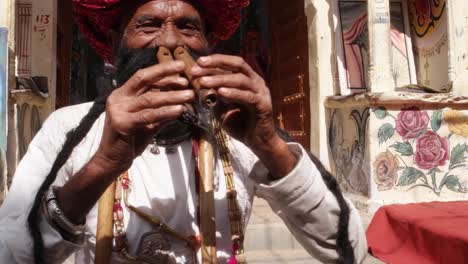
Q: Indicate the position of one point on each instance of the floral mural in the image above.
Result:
(418, 154)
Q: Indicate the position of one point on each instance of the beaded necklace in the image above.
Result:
(234, 212)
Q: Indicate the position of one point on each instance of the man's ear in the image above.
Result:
(210, 37)
(114, 38)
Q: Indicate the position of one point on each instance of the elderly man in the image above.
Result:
(83, 149)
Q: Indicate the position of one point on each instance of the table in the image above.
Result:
(435, 232)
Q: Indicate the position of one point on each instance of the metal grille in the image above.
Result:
(24, 34)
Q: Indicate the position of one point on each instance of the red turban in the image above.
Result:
(96, 17)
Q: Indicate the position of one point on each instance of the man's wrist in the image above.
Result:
(275, 155)
(103, 165)
(83, 190)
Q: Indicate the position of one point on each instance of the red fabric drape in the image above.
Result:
(435, 232)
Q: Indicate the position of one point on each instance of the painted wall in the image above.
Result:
(400, 147)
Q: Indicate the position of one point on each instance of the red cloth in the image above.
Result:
(435, 232)
(96, 17)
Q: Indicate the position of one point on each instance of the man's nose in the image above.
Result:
(171, 37)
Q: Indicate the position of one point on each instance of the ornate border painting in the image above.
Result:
(353, 46)
(348, 148)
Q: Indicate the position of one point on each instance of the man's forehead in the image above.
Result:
(167, 7)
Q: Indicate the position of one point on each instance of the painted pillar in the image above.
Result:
(7, 20)
(321, 60)
(44, 42)
(465, 19)
(380, 60)
(457, 56)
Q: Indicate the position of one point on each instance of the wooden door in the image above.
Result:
(64, 49)
(290, 68)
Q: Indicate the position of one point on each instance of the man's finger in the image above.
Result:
(242, 97)
(147, 117)
(238, 80)
(171, 82)
(154, 99)
(227, 62)
(140, 81)
(198, 71)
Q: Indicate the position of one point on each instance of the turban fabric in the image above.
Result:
(96, 17)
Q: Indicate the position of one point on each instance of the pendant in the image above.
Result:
(154, 248)
(155, 149)
(160, 247)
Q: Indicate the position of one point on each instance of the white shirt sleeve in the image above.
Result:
(15, 240)
(309, 209)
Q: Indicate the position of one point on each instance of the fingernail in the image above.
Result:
(182, 80)
(204, 59)
(206, 79)
(180, 64)
(196, 69)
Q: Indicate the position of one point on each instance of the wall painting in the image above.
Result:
(353, 46)
(348, 146)
(428, 20)
(421, 149)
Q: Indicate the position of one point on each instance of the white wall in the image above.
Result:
(43, 52)
(321, 70)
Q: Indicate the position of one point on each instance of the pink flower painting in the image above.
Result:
(431, 151)
(410, 123)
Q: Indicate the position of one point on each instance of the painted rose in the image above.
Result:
(457, 122)
(385, 170)
(410, 123)
(431, 151)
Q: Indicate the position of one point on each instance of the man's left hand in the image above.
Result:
(245, 110)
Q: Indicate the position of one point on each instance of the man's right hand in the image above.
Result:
(136, 110)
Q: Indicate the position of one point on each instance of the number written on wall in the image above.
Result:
(41, 25)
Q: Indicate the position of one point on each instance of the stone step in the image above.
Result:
(268, 240)
(297, 256)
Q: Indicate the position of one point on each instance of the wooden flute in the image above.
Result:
(207, 97)
(206, 167)
(206, 159)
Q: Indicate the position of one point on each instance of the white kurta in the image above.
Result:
(164, 186)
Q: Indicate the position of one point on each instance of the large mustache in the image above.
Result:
(129, 61)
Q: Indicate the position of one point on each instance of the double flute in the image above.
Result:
(208, 99)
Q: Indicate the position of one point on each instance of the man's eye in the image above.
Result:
(150, 26)
(188, 29)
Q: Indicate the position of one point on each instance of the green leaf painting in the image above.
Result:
(409, 176)
(404, 148)
(457, 156)
(386, 131)
(380, 112)
(453, 183)
(436, 120)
